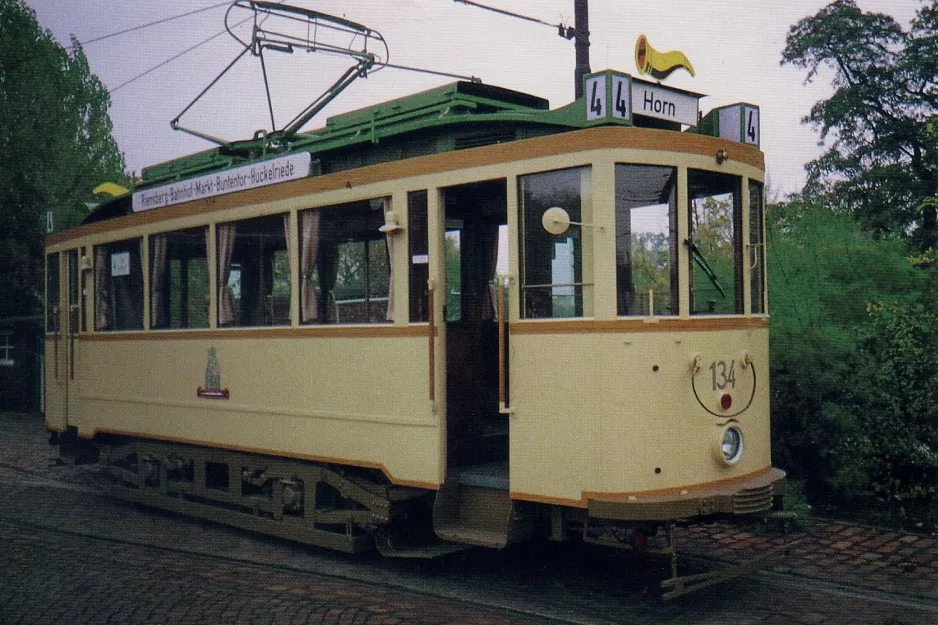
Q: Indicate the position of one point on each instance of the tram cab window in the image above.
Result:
(556, 269)
(118, 286)
(756, 255)
(715, 243)
(646, 239)
(179, 279)
(345, 264)
(52, 293)
(254, 272)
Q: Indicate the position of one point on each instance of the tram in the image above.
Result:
(456, 318)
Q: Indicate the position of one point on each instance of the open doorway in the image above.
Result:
(476, 218)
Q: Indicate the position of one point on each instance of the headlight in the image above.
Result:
(732, 445)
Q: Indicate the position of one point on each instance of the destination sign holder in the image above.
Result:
(250, 176)
(612, 96)
(608, 96)
(736, 122)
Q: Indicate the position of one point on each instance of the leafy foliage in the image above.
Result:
(892, 444)
(713, 236)
(55, 147)
(882, 163)
(824, 272)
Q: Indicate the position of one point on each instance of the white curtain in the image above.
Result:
(226, 239)
(490, 260)
(390, 243)
(309, 248)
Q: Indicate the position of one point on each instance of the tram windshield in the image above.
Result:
(715, 244)
(646, 240)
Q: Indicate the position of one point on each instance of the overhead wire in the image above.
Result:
(171, 59)
(148, 24)
(562, 29)
(183, 53)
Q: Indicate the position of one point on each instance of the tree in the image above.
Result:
(825, 272)
(55, 147)
(892, 445)
(882, 163)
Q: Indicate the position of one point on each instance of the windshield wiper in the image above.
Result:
(704, 266)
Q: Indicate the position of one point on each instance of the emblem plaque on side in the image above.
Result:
(212, 388)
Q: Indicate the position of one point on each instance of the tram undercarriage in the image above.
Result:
(355, 510)
(328, 506)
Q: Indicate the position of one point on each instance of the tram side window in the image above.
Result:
(52, 293)
(179, 279)
(556, 277)
(756, 256)
(345, 264)
(254, 272)
(715, 244)
(118, 286)
(646, 239)
(419, 255)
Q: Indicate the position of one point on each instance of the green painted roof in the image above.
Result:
(445, 112)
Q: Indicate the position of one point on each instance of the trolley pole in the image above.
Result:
(581, 44)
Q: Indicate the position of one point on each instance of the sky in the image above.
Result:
(734, 45)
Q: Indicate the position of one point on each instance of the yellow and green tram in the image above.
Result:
(459, 310)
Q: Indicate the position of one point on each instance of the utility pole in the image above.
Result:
(580, 33)
(581, 21)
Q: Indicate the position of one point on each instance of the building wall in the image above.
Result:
(21, 379)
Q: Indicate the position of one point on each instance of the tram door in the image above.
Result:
(63, 317)
(475, 215)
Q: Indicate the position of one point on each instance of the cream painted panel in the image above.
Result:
(361, 400)
(653, 420)
(593, 416)
(552, 437)
(55, 380)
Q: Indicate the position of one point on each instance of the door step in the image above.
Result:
(420, 552)
(473, 515)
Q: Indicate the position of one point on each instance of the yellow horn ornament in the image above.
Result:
(110, 188)
(659, 64)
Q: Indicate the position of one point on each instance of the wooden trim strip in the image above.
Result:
(431, 346)
(267, 452)
(563, 143)
(679, 490)
(344, 332)
(660, 324)
(552, 501)
(586, 496)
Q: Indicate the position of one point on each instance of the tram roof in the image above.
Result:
(455, 116)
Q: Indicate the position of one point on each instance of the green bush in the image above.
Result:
(892, 444)
(827, 348)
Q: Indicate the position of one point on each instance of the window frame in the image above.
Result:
(673, 237)
(167, 291)
(329, 232)
(736, 194)
(259, 314)
(110, 307)
(579, 236)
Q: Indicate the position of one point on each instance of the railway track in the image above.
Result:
(526, 585)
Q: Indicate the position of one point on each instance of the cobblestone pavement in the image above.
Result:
(833, 551)
(74, 556)
(121, 583)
